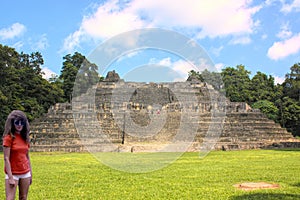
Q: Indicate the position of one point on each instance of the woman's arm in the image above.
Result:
(6, 151)
(28, 157)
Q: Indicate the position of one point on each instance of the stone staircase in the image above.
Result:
(251, 130)
(55, 131)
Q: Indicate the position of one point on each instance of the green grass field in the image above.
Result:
(81, 176)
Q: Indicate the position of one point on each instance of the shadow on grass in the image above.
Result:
(285, 149)
(297, 184)
(258, 196)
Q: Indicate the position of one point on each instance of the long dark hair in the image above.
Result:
(9, 128)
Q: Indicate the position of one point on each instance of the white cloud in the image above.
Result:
(285, 48)
(132, 54)
(128, 55)
(165, 62)
(295, 5)
(264, 36)
(48, 73)
(216, 51)
(181, 67)
(110, 20)
(13, 31)
(284, 32)
(42, 43)
(215, 18)
(269, 2)
(240, 40)
(219, 66)
(278, 79)
(72, 42)
(18, 45)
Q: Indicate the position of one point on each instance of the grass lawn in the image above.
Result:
(81, 176)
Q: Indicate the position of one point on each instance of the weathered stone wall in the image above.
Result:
(243, 128)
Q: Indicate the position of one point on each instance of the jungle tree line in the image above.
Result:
(23, 87)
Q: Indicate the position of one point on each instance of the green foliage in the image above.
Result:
(291, 85)
(290, 104)
(22, 86)
(263, 88)
(197, 75)
(212, 78)
(290, 115)
(77, 67)
(82, 176)
(87, 77)
(237, 83)
(267, 108)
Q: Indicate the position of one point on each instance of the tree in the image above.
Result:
(68, 76)
(87, 77)
(22, 86)
(212, 78)
(290, 114)
(195, 75)
(77, 67)
(268, 108)
(290, 101)
(263, 88)
(237, 83)
(291, 85)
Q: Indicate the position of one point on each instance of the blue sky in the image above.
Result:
(262, 35)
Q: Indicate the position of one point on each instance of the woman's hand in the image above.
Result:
(11, 182)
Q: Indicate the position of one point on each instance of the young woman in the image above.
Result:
(16, 158)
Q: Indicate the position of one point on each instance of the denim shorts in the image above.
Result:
(18, 176)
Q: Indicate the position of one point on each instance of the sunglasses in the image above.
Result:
(19, 123)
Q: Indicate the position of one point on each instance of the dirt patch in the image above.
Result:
(256, 186)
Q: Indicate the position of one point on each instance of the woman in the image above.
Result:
(16, 158)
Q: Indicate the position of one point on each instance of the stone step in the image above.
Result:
(57, 148)
(73, 135)
(250, 139)
(252, 134)
(54, 135)
(75, 148)
(58, 141)
(244, 130)
(256, 145)
(74, 141)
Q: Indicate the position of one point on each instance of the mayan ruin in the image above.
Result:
(242, 127)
